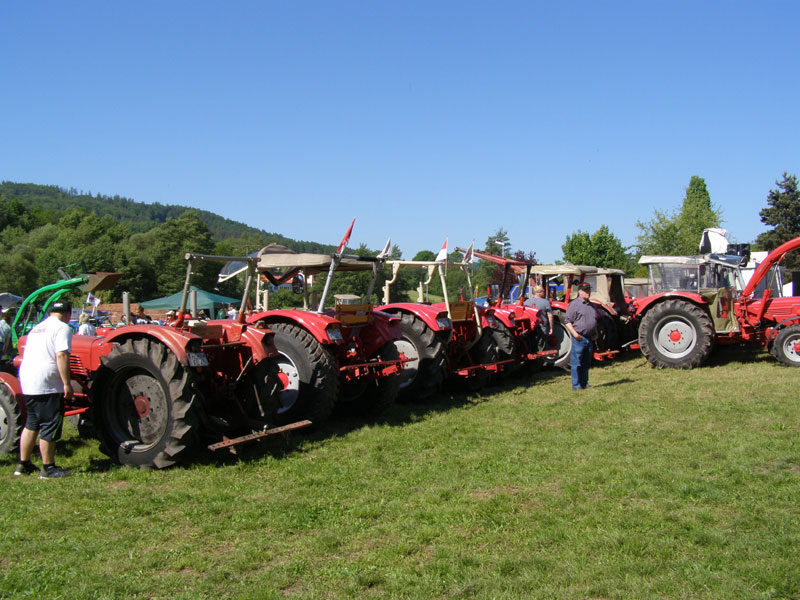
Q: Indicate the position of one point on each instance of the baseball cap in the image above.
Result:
(61, 306)
(585, 287)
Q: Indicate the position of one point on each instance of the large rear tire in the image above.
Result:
(310, 375)
(145, 406)
(260, 393)
(484, 352)
(676, 334)
(607, 337)
(10, 421)
(422, 377)
(786, 347)
(372, 397)
(506, 350)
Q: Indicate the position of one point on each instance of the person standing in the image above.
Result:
(5, 334)
(544, 318)
(45, 381)
(84, 327)
(581, 322)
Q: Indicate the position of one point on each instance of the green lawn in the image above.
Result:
(651, 484)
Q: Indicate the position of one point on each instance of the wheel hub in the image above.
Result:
(290, 379)
(676, 338)
(142, 405)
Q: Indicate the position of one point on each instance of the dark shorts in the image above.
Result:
(45, 415)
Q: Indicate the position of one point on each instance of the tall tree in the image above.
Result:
(783, 215)
(600, 249)
(679, 233)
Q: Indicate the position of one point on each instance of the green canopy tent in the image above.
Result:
(205, 301)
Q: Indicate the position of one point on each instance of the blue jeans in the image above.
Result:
(580, 359)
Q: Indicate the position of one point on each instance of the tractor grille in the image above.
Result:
(76, 365)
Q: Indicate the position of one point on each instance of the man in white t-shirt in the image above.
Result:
(45, 380)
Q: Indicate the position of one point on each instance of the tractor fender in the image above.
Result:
(773, 332)
(174, 339)
(384, 328)
(643, 305)
(12, 383)
(261, 341)
(424, 312)
(316, 324)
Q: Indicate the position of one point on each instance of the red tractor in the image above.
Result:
(616, 323)
(454, 337)
(346, 356)
(152, 392)
(699, 301)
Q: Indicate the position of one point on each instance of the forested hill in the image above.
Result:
(52, 200)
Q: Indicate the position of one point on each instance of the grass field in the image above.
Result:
(650, 484)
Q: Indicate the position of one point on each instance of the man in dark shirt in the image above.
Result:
(581, 322)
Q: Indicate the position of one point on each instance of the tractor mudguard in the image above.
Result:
(643, 306)
(12, 383)
(384, 328)
(261, 342)
(424, 312)
(174, 339)
(315, 323)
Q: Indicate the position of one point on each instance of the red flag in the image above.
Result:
(345, 239)
(442, 256)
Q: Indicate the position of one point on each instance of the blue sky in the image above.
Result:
(421, 119)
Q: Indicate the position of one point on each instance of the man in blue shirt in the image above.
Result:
(581, 322)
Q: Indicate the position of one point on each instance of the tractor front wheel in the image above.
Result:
(145, 409)
(10, 421)
(676, 334)
(787, 346)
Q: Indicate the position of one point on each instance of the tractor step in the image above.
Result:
(230, 442)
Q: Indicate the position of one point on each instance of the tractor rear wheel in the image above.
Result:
(676, 334)
(786, 347)
(260, 393)
(145, 406)
(562, 345)
(607, 337)
(422, 377)
(372, 397)
(506, 350)
(484, 352)
(10, 421)
(309, 373)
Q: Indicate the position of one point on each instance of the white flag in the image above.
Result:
(468, 255)
(442, 256)
(93, 300)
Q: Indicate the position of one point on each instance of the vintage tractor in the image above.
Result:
(515, 320)
(348, 356)
(453, 337)
(700, 301)
(616, 323)
(153, 392)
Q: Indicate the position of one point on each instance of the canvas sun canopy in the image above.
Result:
(206, 301)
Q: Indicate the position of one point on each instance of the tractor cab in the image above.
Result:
(716, 278)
